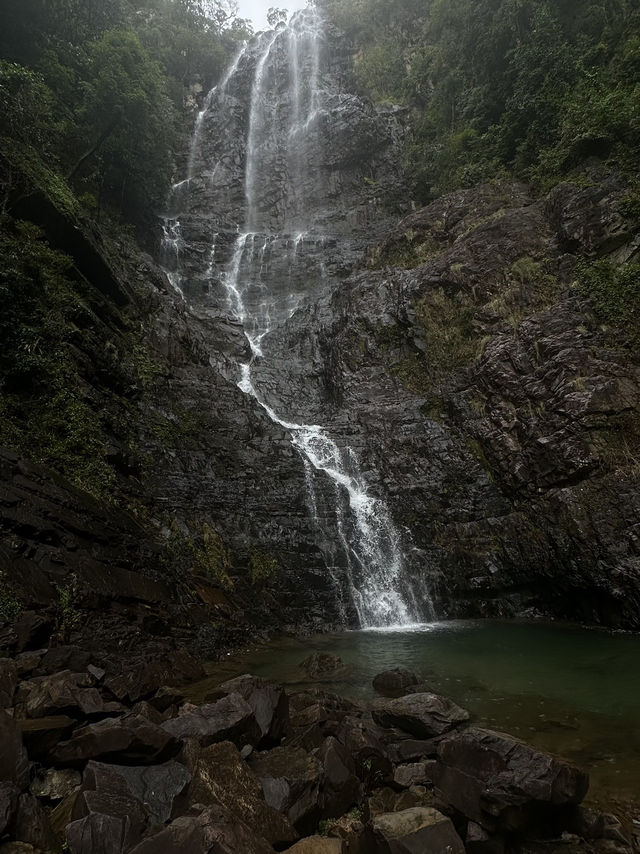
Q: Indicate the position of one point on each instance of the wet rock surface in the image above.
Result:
(421, 715)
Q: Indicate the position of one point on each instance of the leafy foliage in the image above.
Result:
(539, 89)
(97, 89)
(614, 294)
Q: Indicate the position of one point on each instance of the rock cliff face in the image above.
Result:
(453, 354)
(501, 416)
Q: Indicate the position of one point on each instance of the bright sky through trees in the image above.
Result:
(257, 10)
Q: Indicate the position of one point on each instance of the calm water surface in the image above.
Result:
(570, 690)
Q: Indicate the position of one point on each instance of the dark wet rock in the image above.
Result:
(14, 765)
(97, 833)
(8, 682)
(66, 657)
(387, 800)
(9, 794)
(393, 683)
(421, 715)
(317, 845)
(361, 742)
(320, 710)
(156, 787)
(415, 773)
(27, 662)
(42, 735)
(33, 631)
(96, 673)
(144, 677)
(478, 841)
(323, 665)
(131, 740)
(269, 703)
(591, 824)
(411, 750)
(502, 783)
(61, 693)
(145, 710)
(31, 824)
(106, 803)
(290, 779)
(55, 783)
(204, 831)
(229, 719)
(221, 777)
(416, 829)
(590, 219)
(166, 697)
(340, 788)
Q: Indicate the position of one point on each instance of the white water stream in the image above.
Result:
(281, 138)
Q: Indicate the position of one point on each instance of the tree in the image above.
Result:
(276, 17)
(128, 123)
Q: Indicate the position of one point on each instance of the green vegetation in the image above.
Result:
(96, 93)
(201, 553)
(538, 89)
(52, 329)
(10, 608)
(68, 615)
(263, 567)
(614, 294)
(213, 559)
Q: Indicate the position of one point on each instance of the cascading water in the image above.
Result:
(264, 273)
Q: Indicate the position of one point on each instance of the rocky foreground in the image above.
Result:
(97, 758)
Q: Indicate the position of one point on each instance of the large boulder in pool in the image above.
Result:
(394, 683)
(504, 784)
(323, 665)
(422, 715)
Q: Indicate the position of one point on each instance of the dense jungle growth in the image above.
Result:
(539, 89)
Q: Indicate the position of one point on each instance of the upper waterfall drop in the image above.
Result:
(259, 183)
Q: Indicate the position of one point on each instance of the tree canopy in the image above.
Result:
(98, 90)
(540, 89)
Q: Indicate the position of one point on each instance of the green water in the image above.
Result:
(570, 690)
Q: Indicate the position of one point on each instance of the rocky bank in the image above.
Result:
(96, 758)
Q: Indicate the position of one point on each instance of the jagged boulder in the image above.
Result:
(413, 830)
(220, 777)
(14, 764)
(156, 787)
(61, 693)
(340, 788)
(269, 703)
(228, 719)
(393, 683)
(290, 779)
(130, 739)
(8, 682)
(9, 793)
(502, 783)
(369, 755)
(421, 715)
(203, 831)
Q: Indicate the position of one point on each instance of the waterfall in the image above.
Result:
(264, 273)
